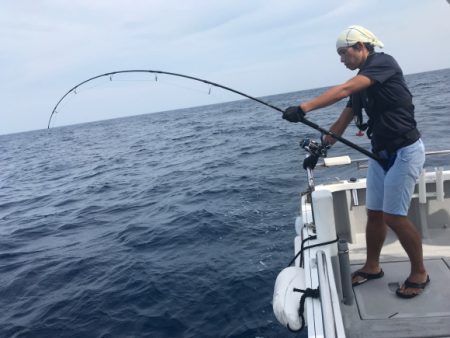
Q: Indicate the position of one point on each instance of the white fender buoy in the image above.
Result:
(286, 302)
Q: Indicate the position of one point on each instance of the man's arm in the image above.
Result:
(337, 93)
(340, 125)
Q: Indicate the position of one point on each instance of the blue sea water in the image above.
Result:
(165, 225)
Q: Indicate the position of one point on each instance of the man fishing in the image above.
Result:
(380, 89)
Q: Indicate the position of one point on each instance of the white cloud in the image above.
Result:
(260, 46)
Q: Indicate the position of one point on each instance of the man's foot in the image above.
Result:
(360, 277)
(410, 289)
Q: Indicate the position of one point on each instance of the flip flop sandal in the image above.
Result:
(410, 285)
(366, 276)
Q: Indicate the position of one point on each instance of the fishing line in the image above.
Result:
(76, 92)
(164, 82)
(156, 72)
(174, 84)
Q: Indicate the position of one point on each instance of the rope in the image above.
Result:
(302, 249)
(312, 293)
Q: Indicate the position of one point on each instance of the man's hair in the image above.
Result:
(368, 45)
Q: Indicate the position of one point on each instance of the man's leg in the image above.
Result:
(398, 188)
(375, 235)
(411, 241)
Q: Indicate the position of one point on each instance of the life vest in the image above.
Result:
(392, 133)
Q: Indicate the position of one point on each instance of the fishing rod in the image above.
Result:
(304, 121)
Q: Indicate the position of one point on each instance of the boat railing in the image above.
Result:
(333, 325)
(361, 163)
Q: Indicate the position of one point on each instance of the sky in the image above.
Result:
(260, 47)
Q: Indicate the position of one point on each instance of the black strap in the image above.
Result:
(358, 102)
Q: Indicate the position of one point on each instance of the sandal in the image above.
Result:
(410, 285)
(366, 276)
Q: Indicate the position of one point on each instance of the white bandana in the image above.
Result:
(354, 34)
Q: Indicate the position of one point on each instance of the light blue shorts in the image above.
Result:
(391, 192)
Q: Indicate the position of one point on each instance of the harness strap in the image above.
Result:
(387, 159)
(389, 155)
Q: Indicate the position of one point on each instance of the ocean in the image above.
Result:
(170, 224)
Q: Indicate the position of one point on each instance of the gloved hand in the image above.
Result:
(294, 114)
(310, 162)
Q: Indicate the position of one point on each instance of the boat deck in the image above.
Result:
(339, 209)
(378, 312)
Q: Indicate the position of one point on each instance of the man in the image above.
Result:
(379, 88)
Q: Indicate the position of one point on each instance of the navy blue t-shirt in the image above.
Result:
(388, 102)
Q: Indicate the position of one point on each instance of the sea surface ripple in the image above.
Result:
(165, 225)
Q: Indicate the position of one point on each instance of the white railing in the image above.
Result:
(362, 162)
(333, 325)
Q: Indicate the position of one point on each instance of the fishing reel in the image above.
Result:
(315, 150)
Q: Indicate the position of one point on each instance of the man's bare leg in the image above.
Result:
(376, 230)
(411, 241)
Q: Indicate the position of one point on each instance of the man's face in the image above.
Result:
(350, 57)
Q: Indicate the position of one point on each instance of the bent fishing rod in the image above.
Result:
(304, 121)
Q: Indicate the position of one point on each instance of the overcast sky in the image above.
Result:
(260, 47)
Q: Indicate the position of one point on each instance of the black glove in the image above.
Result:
(310, 162)
(294, 114)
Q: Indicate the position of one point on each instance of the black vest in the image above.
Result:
(390, 126)
(387, 102)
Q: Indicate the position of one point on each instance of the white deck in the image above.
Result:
(378, 312)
